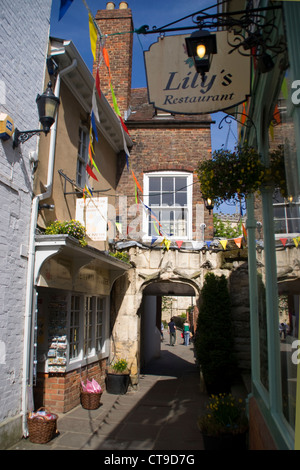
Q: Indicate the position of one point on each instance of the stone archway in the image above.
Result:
(154, 272)
(152, 312)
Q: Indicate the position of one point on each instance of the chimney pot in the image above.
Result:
(110, 6)
(123, 6)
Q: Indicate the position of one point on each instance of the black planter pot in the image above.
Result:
(226, 442)
(117, 384)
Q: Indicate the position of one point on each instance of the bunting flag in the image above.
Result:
(296, 241)
(276, 115)
(91, 158)
(179, 243)
(94, 105)
(223, 243)
(244, 231)
(93, 123)
(123, 125)
(244, 116)
(88, 190)
(64, 6)
(238, 242)
(208, 243)
(139, 186)
(156, 229)
(97, 82)
(283, 241)
(153, 240)
(90, 172)
(166, 243)
(93, 36)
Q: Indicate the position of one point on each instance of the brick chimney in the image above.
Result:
(119, 48)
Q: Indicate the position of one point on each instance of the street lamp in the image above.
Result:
(47, 105)
(201, 45)
(209, 204)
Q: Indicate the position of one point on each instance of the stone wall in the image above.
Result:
(168, 271)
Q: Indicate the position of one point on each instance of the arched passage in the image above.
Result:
(154, 309)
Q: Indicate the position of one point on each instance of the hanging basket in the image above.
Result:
(42, 426)
(90, 401)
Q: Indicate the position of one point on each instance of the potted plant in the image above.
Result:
(72, 228)
(214, 339)
(225, 425)
(117, 377)
(233, 175)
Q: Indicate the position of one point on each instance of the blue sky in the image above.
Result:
(74, 26)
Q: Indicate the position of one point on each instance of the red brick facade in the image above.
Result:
(112, 23)
(61, 393)
(171, 142)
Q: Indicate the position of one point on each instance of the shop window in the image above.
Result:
(74, 326)
(99, 324)
(88, 326)
(169, 197)
(82, 156)
(286, 216)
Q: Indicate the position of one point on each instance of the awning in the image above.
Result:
(60, 261)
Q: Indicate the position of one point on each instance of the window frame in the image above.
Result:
(188, 208)
(87, 344)
(82, 156)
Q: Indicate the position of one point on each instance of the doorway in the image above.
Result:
(161, 301)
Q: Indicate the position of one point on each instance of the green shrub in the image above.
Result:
(214, 342)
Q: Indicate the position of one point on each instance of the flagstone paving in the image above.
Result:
(160, 415)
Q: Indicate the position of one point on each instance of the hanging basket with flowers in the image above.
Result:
(233, 175)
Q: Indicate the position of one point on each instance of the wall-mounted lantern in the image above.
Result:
(47, 105)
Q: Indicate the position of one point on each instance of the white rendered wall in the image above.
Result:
(24, 35)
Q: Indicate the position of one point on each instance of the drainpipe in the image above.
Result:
(30, 288)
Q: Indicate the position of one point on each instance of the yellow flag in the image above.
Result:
(93, 36)
(167, 243)
(296, 242)
(223, 243)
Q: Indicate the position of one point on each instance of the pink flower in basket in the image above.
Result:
(91, 386)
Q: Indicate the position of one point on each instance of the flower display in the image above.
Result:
(120, 366)
(71, 227)
(225, 415)
(232, 175)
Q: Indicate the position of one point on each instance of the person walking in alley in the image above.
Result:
(186, 333)
(172, 332)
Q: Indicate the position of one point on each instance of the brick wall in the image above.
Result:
(176, 143)
(119, 47)
(59, 393)
(24, 40)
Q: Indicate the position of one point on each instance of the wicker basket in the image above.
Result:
(41, 430)
(90, 401)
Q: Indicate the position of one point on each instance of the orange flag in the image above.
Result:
(137, 183)
(238, 241)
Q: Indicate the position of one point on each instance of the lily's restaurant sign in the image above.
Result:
(176, 87)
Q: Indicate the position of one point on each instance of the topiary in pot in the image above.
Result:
(214, 342)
